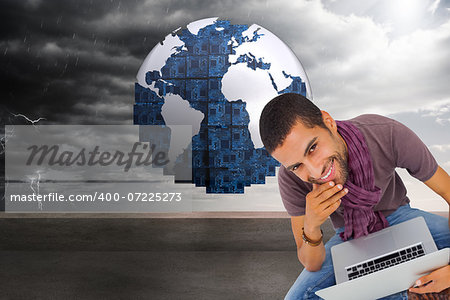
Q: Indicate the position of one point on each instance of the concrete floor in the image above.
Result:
(146, 274)
(126, 258)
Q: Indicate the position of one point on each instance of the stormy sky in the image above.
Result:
(75, 61)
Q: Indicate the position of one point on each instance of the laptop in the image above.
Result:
(384, 262)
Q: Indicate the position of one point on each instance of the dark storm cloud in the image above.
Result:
(58, 56)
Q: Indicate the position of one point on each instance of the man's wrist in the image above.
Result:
(313, 233)
(312, 242)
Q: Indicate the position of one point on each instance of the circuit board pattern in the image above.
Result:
(224, 159)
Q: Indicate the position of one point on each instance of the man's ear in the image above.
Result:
(329, 121)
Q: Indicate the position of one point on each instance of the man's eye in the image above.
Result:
(313, 147)
(294, 168)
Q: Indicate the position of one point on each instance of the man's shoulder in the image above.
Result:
(372, 119)
(371, 124)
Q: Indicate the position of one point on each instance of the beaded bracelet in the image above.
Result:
(309, 241)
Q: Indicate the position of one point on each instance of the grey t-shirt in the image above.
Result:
(391, 144)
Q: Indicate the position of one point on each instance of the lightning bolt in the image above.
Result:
(4, 138)
(3, 144)
(36, 181)
(6, 187)
(28, 119)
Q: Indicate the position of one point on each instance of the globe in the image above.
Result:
(217, 77)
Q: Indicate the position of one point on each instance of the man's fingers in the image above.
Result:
(429, 288)
(326, 208)
(435, 282)
(332, 207)
(333, 202)
(423, 280)
(322, 187)
(328, 194)
(423, 285)
(337, 196)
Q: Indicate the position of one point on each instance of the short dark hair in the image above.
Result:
(282, 113)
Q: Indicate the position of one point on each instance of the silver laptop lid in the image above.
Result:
(380, 243)
(387, 281)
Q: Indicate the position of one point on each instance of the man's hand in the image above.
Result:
(434, 282)
(321, 202)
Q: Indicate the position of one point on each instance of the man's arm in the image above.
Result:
(311, 258)
(435, 282)
(440, 184)
(439, 279)
(321, 202)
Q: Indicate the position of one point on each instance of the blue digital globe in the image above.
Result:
(217, 77)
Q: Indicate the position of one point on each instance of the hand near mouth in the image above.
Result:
(321, 202)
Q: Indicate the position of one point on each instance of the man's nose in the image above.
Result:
(314, 168)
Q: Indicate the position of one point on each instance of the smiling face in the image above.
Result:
(315, 155)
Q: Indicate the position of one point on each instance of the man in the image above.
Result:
(345, 170)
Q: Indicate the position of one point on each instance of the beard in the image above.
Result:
(340, 159)
(343, 168)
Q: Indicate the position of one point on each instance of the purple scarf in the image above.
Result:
(363, 195)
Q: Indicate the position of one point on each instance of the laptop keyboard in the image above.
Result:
(386, 261)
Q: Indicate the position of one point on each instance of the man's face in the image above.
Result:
(315, 155)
